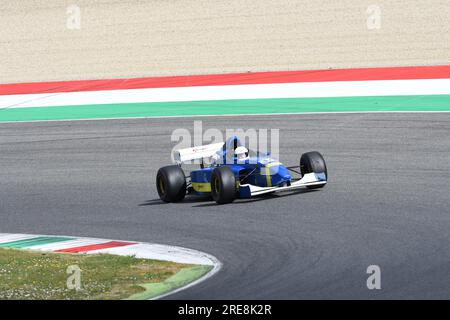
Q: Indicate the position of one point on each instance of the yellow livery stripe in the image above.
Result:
(273, 164)
(267, 172)
(201, 186)
(268, 180)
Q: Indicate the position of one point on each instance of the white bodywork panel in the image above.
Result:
(309, 179)
(197, 153)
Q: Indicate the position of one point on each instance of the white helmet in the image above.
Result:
(241, 153)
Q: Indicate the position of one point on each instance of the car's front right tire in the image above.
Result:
(171, 183)
(313, 162)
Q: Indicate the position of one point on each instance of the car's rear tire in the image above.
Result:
(223, 185)
(171, 184)
(313, 162)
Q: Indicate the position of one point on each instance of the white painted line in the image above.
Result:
(221, 115)
(232, 92)
(217, 266)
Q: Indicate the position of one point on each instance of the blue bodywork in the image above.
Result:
(258, 170)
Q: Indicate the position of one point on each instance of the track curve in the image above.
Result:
(386, 203)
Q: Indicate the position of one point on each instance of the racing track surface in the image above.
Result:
(387, 202)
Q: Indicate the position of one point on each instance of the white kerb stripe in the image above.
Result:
(68, 244)
(160, 252)
(9, 237)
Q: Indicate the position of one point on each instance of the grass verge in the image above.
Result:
(43, 276)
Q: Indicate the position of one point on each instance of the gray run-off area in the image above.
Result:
(133, 38)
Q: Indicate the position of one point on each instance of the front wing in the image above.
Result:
(309, 179)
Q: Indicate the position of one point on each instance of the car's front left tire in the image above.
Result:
(171, 183)
(223, 185)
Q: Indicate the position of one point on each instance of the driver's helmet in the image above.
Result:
(241, 153)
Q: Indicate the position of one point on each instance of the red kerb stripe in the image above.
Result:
(391, 73)
(106, 245)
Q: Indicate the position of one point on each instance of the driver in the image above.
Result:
(241, 153)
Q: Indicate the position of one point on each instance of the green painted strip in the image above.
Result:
(36, 241)
(224, 107)
(182, 278)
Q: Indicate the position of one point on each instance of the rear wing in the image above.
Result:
(197, 153)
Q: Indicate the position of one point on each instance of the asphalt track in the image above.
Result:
(387, 202)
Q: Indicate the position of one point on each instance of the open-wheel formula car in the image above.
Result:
(234, 172)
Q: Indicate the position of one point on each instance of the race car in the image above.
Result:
(228, 171)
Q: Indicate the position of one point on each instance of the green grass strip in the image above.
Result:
(180, 279)
(224, 107)
(36, 241)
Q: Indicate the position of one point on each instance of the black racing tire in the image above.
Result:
(223, 185)
(171, 183)
(313, 162)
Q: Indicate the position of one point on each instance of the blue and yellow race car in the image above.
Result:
(229, 171)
